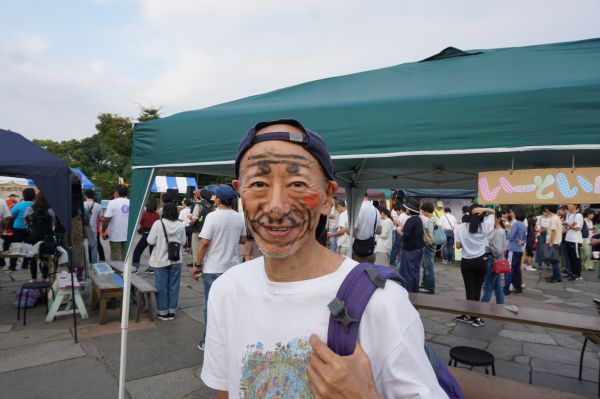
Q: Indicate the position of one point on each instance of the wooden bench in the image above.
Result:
(476, 385)
(105, 286)
(62, 288)
(143, 292)
(144, 296)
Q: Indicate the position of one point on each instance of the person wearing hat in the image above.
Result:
(413, 245)
(268, 318)
(218, 250)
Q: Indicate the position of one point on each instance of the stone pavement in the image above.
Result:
(42, 360)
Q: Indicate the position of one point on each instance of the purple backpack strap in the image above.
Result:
(352, 298)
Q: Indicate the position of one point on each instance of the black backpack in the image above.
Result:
(207, 208)
(41, 224)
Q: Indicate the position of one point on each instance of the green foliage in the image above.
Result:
(105, 156)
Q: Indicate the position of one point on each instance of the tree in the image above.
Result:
(106, 155)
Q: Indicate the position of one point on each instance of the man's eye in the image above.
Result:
(298, 184)
(258, 184)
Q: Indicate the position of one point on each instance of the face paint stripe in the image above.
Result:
(270, 154)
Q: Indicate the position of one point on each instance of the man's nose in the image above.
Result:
(278, 202)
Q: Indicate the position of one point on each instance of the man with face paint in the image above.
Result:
(268, 318)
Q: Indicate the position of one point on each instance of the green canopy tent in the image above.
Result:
(428, 124)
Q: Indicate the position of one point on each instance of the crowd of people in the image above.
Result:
(563, 238)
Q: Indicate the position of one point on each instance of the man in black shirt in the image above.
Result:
(412, 246)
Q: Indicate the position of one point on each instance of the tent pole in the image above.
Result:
(127, 295)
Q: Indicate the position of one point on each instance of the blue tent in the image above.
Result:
(21, 158)
(85, 182)
(162, 183)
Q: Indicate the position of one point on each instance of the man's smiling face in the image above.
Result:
(283, 192)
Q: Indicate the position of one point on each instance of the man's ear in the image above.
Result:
(236, 185)
(332, 187)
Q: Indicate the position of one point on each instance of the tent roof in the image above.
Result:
(21, 158)
(502, 101)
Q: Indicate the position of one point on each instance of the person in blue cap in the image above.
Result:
(268, 317)
(218, 250)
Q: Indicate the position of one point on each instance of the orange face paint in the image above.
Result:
(311, 200)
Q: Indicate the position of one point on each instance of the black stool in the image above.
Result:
(472, 357)
(42, 287)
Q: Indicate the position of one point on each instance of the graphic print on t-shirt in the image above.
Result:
(279, 373)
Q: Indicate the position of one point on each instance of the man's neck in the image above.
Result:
(311, 261)
(223, 207)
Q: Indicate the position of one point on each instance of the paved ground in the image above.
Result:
(42, 360)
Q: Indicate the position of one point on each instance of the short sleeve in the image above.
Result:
(208, 229)
(216, 356)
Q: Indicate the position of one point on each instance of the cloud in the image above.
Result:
(188, 54)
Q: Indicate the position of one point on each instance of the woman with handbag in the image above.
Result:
(168, 236)
(471, 237)
(495, 255)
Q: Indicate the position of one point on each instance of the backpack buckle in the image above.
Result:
(375, 277)
(339, 311)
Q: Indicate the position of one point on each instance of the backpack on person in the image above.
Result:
(90, 231)
(207, 208)
(347, 308)
(40, 224)
(173, 247)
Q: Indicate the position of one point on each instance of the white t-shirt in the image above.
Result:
(448, 221)
(402, 218)
(4, 212)
(574, 235)
(118, 211)
(183, 216)
(258, 330)
(343, 240)
(473, 245)
(223, 228)
(384, 240)
(365, 223)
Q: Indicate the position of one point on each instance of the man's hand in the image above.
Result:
(334, 376)
(196, 271)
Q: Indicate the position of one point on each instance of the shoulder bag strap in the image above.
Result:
(375, 224)
(164, 230)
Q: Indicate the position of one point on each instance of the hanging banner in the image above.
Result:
(540, 186)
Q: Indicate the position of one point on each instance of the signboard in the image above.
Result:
(540, 186)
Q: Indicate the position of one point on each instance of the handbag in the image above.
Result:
(550, 253)
(173, 248)
(501, 266)
(439, 235)
(365, 248)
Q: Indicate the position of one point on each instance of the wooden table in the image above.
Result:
(104, 286)
(526, 315)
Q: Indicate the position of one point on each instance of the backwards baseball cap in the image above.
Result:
(226, 193)
(309, 140)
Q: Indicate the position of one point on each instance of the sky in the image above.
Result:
(64, 62)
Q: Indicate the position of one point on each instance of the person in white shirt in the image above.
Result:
(167, 272)
(586, 249)
(429, 222)
(268, 318)
(384, 240)
(472, 238)
(218, 250)
(114, 223)
(448, 223)
(573, 224)
(341, 235)
(93, 210)
(184, 217)
(332, 227)
(367, 225)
